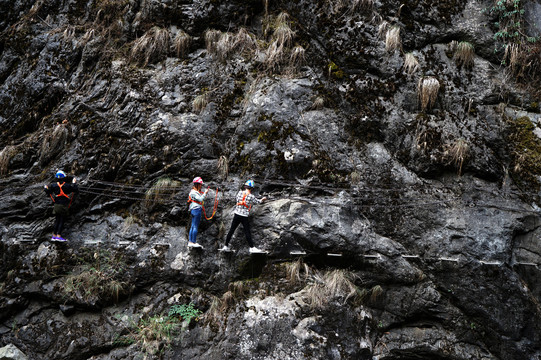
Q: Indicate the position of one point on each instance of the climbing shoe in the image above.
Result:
(255, 250)
(225, 248)
(194, 245)
(60, 238)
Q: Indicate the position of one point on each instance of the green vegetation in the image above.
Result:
(150, 333)
(526, 151)
(522, 53)
(185, 312)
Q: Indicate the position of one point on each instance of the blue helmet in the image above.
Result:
(249, 183)
(60, 174)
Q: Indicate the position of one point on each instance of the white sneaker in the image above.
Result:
(256, 250)
(195, 245)
(225, 248)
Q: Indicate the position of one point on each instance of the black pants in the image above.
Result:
(58, 224)
(237, 219)
(60, 211)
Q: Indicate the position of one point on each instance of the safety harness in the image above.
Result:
(214, 209)
(243, 201)
(61, 193)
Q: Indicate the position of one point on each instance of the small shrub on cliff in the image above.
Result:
(151, 47)
(427, 91)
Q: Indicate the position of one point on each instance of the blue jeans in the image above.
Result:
(196, 219)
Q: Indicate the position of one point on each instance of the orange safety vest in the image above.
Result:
(243, 201)
(61, 193)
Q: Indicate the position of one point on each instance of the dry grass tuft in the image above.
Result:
(382, 29)
(333, 285)
(392, 39)
(223, 167)
(375, 293)
(464, 54)
(223, 45)
(6, 155)
(163, 189)
(182, 43)
(152, 46)
(215, 313)
(297, 57)
(211, 40)
(245, 42)
(427, 91)
(349, 5)
(319, 103)
(274, 55)
(294, 271)
(512, 55)
(411, 64)
(456, 153)
(200, 103)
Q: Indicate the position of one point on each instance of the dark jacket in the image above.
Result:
(67, 188)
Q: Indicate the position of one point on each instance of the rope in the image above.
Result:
(215, 208)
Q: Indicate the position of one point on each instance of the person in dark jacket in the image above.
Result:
(59, 192)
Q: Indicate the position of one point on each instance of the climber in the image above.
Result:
(195, 199)
(245, 199)
(59, 192)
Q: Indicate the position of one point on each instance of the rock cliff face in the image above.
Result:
(399, 156)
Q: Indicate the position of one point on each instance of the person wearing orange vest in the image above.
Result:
(245, 200)
(59, 192)
(195, 199)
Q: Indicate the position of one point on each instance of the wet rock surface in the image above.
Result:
(416, 228)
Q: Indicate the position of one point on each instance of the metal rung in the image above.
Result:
(334, 254)
(448, 259)
(410, 256)
(297, 252)
(525, 263)
(124, 242)
(163, 244)
(93, 242)
(497, 263)
(371, 256)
